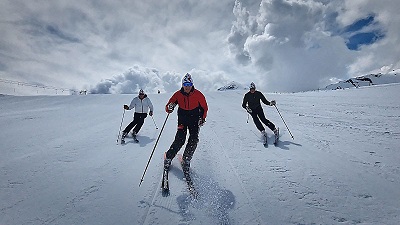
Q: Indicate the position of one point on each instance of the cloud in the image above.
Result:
(281, 45)
(68, 43)
(301, 45)
(152, 81)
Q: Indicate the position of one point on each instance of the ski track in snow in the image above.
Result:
(248, 206)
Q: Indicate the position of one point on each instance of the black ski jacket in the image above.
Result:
(253, 100)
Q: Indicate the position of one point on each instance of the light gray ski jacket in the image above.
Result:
(141, 105)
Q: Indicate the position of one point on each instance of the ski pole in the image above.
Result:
(284, 121)
(152, 152)
(154, 122)
(119, 133)
(247, 118)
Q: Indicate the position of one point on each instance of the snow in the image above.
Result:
(60, 163)
(367, 80)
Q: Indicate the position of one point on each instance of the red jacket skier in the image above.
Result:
(192, 113)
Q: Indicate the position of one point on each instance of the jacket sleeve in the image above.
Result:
(244, 101)
(263, 99)
(133, 103)
(172, 99)
(150, 105)
(203, 104)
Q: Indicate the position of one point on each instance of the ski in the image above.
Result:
(134, 140)
(164, 181)
(276, 137)
(188, 178)
(165, 184)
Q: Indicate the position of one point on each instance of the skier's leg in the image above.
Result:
(140, 119)
(256, 120)
(268, 123)
(131, 125)
(192, 143)
(180, 138)
(127, 129)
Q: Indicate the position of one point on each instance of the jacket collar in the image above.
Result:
(145, 96)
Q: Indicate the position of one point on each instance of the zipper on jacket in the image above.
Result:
(188, 102)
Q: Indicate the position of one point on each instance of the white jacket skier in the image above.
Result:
(142, 104)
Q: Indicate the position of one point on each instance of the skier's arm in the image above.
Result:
(150, 105)
(263, 99)
(203, 104)
(244, 104)
(172, 102)
(132, 105)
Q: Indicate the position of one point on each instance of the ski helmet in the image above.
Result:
(187, 80)
(141, 92)
(252, 86)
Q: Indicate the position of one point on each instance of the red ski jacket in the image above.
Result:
(192, 103)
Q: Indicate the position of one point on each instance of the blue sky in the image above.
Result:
(357, 37)
(281, 45)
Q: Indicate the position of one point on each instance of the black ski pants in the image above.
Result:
(190, 123)
(138, 120)
(258, 114)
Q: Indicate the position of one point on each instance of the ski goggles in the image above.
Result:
(187, 84)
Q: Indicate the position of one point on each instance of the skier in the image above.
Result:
(192, 114)
(251, 103)
(142, 104)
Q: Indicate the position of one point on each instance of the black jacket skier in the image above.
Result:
(251, 102)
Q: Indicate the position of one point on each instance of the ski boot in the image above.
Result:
(264, 137)
(276, 133)
(134, 137)
(124, 134)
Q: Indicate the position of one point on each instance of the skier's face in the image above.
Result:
(141, 96)
(252, 90)
(187, 87)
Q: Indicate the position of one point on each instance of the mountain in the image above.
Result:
(231, 86)
(367, 80)
(60, 163)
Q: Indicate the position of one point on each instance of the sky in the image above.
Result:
(121, 46)
(340, 167)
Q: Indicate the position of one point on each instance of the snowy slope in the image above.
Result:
(60, 163)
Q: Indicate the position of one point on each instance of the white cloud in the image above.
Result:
(152, 81)
(282, 45)
(66, 43)
(297, 45)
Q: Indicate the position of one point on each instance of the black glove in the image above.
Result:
(272, 103)
(248, 109)
(170, 107)
(201, 121)
(126, 107)
(151, 113)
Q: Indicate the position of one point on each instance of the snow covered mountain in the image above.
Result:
(232, 86)
(60, 163)
(367, 80)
